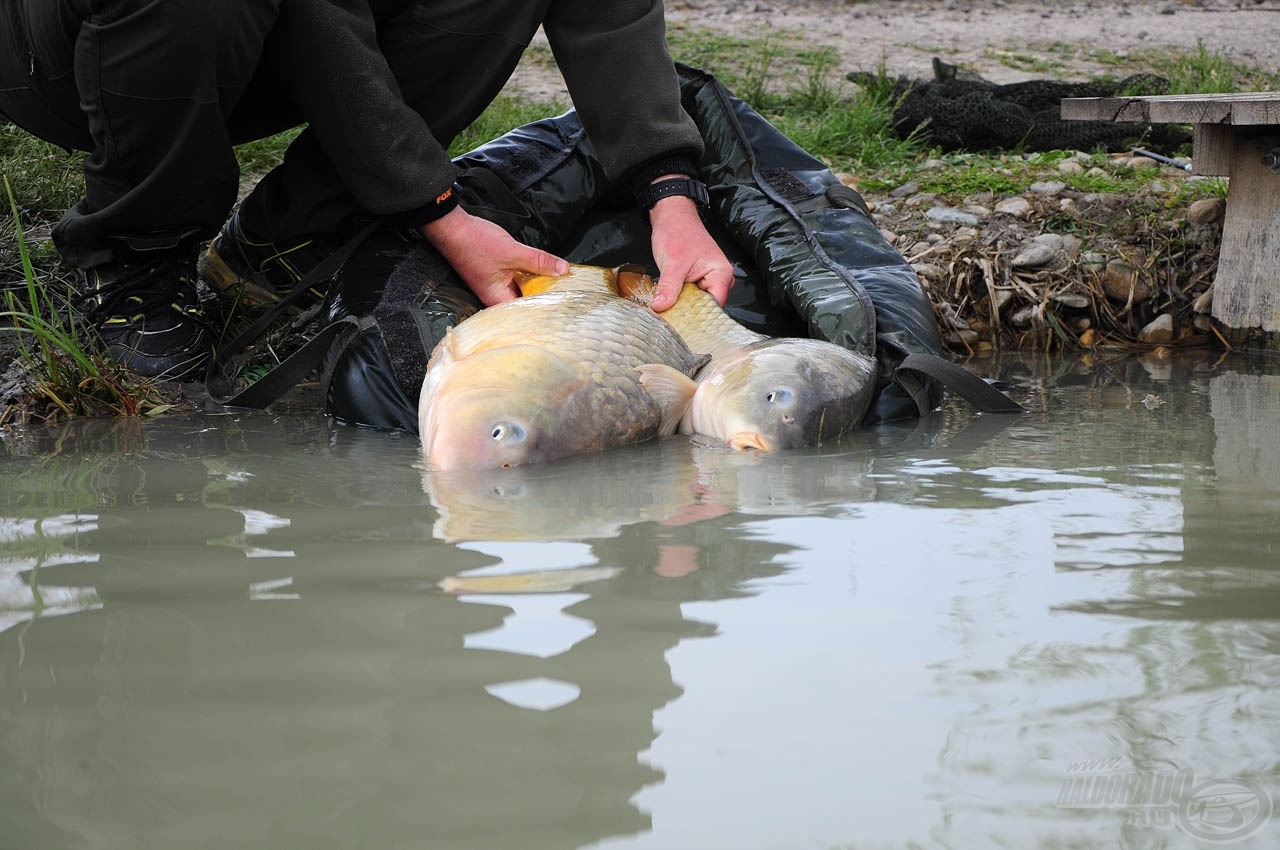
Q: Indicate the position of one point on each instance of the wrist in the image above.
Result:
(438, 229)
(675, 207)
(671, 186)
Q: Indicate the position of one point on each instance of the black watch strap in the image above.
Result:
(688, 187)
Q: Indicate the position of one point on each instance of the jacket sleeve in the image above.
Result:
(621, 78)
(381, 148)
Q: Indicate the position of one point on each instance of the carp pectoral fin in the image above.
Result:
(671, 389)
(698, 364)
(442, 356)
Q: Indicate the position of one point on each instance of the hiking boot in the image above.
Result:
(260, 271)
(148, 313)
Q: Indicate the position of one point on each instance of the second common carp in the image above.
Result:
(760, 392)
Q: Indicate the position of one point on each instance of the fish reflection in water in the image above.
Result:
(672, 482)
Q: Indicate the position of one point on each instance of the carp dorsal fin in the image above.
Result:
(635, 284)
(671, 390)
(533, 284)
(579, 278)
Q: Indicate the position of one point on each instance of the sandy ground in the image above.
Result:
(993, 38)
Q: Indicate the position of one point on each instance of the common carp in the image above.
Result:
(760, 392)
(570, 370)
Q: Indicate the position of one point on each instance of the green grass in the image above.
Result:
(45, 178)
(1208, 73)
(1030, 63)
(1197, 72)
(503, 115)
(69, 375)
(258, 157)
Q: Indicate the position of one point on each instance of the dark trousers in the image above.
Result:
(158, 92)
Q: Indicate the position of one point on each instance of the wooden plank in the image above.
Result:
(1241, 109)
(1119, 109)
(1211, 146)
(1246, 293)
(1256, 112)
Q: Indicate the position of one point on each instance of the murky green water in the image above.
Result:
(253, 631)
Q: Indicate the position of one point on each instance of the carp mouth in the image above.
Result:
(745, 441)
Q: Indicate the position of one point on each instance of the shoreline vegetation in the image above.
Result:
(1049, 251)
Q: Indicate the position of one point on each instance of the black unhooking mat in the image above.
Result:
(809, 260)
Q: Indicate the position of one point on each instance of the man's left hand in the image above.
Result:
(686, 253)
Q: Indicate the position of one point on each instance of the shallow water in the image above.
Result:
(272, 631)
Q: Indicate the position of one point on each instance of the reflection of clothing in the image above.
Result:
(158, 90)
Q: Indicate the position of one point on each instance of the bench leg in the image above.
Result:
(1246, 295)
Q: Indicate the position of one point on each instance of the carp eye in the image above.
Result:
(778, 396)
(507, 432)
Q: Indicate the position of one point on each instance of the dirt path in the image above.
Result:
(1003, 40)
(905, 34)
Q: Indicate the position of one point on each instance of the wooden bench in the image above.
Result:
(1235, 136)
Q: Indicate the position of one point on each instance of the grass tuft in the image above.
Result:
(68, 375)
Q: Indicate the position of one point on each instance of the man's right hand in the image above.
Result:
(486, 257)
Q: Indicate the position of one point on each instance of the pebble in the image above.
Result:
(928, 271)
(1071, 166)
(1204, 302)
(1047, 187)
(1142, 162)
(963, 339)
(1206, 211)
(1071, 299)
(924, 199)
(1017, 206)
(1021, 317)
(1120, 281)
(1094, 261)
(1042, 250)
(950, 215)
(952, 318)
(911, 187)
(1158, 332)
(1103, 199)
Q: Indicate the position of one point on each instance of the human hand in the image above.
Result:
(686, 253)
(486, 257)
